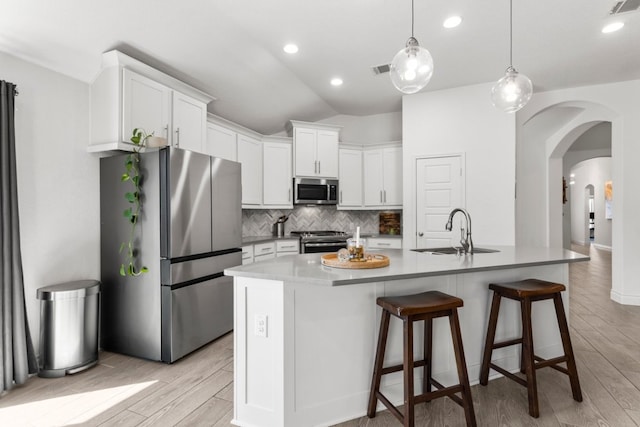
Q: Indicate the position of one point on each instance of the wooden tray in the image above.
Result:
(377, 261)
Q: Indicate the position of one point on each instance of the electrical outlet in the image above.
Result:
(260, 325)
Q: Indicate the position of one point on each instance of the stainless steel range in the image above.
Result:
(321, 240)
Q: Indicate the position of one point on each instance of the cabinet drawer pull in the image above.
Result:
(177, 137)
(384, 244)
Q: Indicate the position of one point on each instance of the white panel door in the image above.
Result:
(250, 156)
(189, 123)
(278, 179)
(305, 162)
(146, 106)
(350, 177)
(327, 153)
(373, 178)
(392, 176)
(221, 142)
(439, 190)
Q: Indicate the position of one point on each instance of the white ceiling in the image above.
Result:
(232, 49)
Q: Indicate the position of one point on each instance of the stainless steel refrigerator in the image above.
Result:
(190, 230)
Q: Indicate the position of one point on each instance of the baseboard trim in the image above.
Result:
(625, 299)
(601, 247)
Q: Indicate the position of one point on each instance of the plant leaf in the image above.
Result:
(131, 197)
(125, 177)
(127, 213)
(122, 273)
(144, 270)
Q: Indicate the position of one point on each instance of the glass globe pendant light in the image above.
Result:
(514, 90)
(412, 67)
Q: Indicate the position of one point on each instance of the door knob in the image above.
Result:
(420, 234)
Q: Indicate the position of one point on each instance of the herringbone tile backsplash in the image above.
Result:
(257, 222)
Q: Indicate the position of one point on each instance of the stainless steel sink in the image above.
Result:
(453, 251)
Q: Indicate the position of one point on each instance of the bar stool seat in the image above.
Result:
(526, 292)
(425, 306)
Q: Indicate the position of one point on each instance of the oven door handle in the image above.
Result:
(322, 245)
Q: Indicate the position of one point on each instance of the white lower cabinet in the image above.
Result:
(269, 250)
(384, 243)
(247, 254)
(262, 251)
(287, 247)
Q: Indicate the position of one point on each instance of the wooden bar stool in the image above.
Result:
(527, 291)
(412, 308)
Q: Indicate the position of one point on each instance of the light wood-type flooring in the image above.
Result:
(198, 390)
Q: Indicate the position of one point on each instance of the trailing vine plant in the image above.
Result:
(133, 176)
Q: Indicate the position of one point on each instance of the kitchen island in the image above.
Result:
(305, 334)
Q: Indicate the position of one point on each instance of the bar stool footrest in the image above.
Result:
(552, 363)
(508, 374)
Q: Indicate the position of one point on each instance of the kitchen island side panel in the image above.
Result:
(322, 340)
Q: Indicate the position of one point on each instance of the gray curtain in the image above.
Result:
(17, 356)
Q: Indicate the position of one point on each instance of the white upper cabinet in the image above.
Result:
(250, 157)
(189, 123)
(350, 177)
(129, 94)
(383, 177)
(147, 105)
(327, 153)
(221, 142)
(278, 179)
(315, 149)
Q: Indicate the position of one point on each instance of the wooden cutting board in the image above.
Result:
(376, 261)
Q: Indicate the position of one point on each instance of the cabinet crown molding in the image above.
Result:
(311, 125)
(115, 58)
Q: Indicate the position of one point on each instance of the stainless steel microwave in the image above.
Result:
(315, 191)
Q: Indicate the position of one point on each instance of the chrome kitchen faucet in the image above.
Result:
(465, 241)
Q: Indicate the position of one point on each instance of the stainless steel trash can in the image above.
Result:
(68, 327)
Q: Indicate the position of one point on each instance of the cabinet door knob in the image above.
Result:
(420, 234)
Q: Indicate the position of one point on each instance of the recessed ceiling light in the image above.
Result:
(290, 48)
(336, 81)
(614, 26)
(452, 22)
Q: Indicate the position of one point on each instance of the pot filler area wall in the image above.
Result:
(259, 222)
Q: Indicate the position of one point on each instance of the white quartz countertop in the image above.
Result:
(404, 264)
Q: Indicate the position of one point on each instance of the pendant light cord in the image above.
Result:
(511, 33)
(412, 18)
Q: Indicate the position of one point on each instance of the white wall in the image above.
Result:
(462, 120)
(593, 172)
(58, 182)
(371, 129)
(539, 206)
